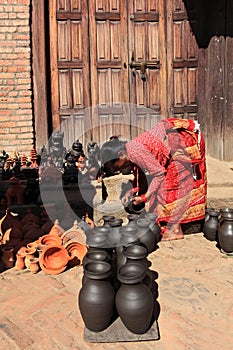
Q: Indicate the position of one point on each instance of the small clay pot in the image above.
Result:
(20, 261)
(8, 259)
(34, 265)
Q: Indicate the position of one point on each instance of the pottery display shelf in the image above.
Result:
(117, 332)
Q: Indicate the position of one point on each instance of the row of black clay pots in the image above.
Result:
(113, 234)
(219, 227)
(133, 299)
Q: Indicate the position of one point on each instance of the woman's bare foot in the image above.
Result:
(172, 233)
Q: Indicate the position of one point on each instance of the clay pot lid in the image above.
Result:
(75, 233)
(53, 259)
(56, 229)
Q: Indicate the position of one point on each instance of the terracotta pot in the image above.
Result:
(20, 261)
(32, 245)
(29, 255)
(29, 226)
(30, 217)
(50, 239)
(8, 259)
(54, 259)
(46, 227)
(34, 265)
(34, 234)
(16, 233)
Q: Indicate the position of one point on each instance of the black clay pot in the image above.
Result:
(134, 299)
(106, 219)
(225, 235)
(132, 219)
(97, 255)
(207, 213)
(131, 208)
(211, 226)
(96, 297)
(114, 235)
(136, 253)
(145, 235)
(128, 235)
(154, 227)
(98, 237)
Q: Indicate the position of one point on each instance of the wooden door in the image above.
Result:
(182, 60)
(109, 69)
(147, 63)
(70, 70)
(119, 66)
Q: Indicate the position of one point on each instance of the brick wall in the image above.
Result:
(16, 120)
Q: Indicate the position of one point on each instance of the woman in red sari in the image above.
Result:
(173, 155)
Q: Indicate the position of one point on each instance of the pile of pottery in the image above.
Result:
(117, 281)
(26, 244)
(218, 227)
(55, 251)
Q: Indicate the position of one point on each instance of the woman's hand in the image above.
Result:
(136, 200)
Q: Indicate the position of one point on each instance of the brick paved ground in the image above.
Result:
(195, 283)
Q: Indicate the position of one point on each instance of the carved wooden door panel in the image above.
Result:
(70, 77)
(147, 63)
(182, 60)
(109, 68)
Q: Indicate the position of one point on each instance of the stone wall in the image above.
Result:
(16, 118)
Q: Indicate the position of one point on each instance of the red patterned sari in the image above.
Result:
(173, 154)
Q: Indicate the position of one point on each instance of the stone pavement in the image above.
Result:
(195, 286)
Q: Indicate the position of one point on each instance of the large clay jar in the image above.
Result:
(96, 297)
(8, 259)
(225, 235)
(211, 226)
(146, 236)
(134, 299)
